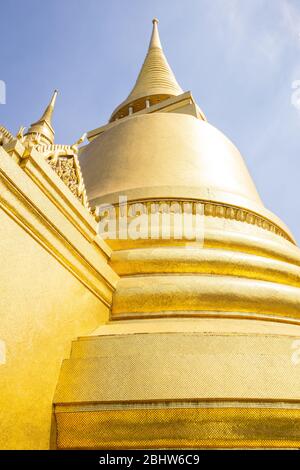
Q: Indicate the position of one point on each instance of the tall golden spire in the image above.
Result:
(155, 82)
(43, 127)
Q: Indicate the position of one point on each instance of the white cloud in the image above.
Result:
(240, 23)
(291, 18)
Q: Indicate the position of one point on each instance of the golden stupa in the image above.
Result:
(176, 342)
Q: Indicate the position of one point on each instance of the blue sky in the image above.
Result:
(238, 57)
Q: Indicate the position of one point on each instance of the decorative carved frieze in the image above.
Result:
(68, 169)
(209, 209)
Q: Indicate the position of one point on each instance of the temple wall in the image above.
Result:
(55, 285)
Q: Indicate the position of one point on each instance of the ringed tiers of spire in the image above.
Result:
(43, 126)
(156, 81)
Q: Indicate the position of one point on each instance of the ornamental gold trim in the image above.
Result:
(211, 209)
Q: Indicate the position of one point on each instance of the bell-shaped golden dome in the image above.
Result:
(168, 155)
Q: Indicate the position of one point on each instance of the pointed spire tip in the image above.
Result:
(53, 99)
(155, 41)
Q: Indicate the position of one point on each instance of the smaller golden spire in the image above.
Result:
(47, 116)
(42, 129)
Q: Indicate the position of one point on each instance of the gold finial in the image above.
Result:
(155, 40)
(43, 126)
